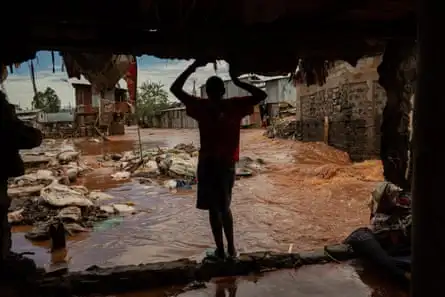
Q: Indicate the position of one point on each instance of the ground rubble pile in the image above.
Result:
(75, 206)
(62, 162)
(285, 128)
(184, 271)
(43, 197)
(179, 164)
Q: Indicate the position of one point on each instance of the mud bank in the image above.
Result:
(181, 272)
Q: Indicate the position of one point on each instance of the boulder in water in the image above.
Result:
(121, 175)
(60, 196)
(70, 213)
(68, 156)
(99, 196)
(124, 208)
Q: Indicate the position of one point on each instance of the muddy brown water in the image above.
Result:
(309, 195)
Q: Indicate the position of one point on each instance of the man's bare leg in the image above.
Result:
(227, 220)
(217, 230)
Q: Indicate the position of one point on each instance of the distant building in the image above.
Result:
(30, 116)
(279, 89)
(107, 110)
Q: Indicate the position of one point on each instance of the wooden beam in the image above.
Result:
(429, 155)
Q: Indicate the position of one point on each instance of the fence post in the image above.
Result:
(326, 130)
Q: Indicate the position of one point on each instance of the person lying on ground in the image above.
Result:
(389, 234)
(219, 123)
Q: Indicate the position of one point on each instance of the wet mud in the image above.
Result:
(329, 280)
(310, 195)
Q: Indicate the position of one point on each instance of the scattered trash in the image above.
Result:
(179, 163)
(108, 224)
(121, 175)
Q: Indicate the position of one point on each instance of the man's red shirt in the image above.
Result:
(219, 125)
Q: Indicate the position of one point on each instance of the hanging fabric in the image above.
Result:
(131, 80)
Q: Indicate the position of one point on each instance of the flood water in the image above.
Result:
(308, 196)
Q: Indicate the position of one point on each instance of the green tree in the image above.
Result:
(47, 100)
(151, 98)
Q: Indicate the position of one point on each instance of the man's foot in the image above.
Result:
(215, 255)
(231, 251)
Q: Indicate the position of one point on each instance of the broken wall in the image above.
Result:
(351, 102)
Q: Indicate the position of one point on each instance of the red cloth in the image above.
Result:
(220, 124)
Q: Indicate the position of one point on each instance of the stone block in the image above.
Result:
(314, 257)
(340, 252)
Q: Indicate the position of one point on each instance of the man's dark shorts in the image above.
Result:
(216, 178)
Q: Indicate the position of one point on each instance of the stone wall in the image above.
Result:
(352, 100)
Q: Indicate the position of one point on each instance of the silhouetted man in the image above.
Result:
(219, 128)
(15, 135)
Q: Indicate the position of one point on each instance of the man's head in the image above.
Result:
(215, 88)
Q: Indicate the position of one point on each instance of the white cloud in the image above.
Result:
(20, 91)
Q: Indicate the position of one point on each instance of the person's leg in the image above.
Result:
(217, 231)
(227, 220)
(228, 180)
(364, 243)
(207, 201)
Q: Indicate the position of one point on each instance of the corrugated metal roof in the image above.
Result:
(171, 109)
(27, 117)
(29, 111)
(121, 84)
(58, 117)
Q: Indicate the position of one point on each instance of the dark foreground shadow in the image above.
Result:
(382, 286)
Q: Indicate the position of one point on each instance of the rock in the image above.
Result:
(68, 156)
(121, 175)
(71, 213)
(40, 232)
(25, 191)
(243, 172)
(314, 257)
(99, 196)
(80, 189)
(72, 174)
(108, 209)
(44, 174)
(73, 228)
(15, 217)
(60, 196)
(123, 208)
(170, 184)
(116, 157)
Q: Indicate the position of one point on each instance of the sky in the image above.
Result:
(19, 89)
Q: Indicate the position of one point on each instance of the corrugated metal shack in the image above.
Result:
(176, 118)
(233, 91)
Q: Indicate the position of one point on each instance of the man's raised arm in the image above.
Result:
(177, 87)
(258, 95)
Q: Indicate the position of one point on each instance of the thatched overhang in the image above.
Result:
(268, 37)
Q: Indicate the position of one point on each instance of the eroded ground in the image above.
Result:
(309, 195)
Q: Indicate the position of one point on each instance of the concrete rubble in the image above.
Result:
(285, 128)
(45, 195)
(178, 163)
(181, 272)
